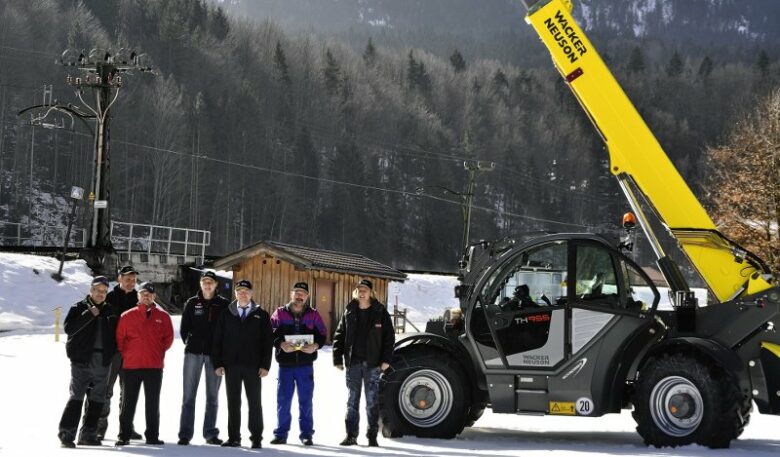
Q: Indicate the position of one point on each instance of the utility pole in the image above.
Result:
(472, 167)
(466, 198)
(101, 71)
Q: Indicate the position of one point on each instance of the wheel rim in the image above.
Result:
(425, 398)
(676, 406)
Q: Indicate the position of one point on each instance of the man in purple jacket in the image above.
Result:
(298, 333)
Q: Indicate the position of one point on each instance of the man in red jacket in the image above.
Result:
(142, 337)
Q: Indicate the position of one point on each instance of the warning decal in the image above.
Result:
(565, 408)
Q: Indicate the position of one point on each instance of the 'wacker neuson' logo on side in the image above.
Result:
(566, 37)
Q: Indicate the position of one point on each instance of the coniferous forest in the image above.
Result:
(345, 141)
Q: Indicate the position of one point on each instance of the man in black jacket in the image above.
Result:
(123, 297)
(241, 351)
(90, 326)
(363, 342)
(198, 320)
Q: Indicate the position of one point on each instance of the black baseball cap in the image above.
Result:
(366, 283)
(243, 284)
(148, 286)
(97, 280)
(210, 275)
(301, 286)
(128, 270)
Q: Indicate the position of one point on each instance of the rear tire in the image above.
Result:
(682, 400)
(426, 395)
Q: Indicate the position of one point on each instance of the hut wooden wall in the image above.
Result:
(273, 277)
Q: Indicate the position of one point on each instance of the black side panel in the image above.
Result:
(771, 365)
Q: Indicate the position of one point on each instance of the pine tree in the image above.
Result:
(499, 80)
(280, 63)
(220, 25)
(369, 55)
(457, 61)
(636, 61)
(412, 71)
(331, 73)
(705, 69)
(763, 64)
(675, 67)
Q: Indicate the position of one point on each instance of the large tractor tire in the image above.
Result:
(475, 412)
(426, 395)
(682, 400)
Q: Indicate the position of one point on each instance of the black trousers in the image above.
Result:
(113, 374)
(151, 379)
(235, 376)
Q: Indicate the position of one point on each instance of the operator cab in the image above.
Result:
(539, 304)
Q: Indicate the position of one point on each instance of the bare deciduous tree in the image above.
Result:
(746, 181)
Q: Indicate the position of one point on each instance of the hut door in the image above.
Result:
(325, 290)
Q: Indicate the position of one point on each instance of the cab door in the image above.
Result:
(609, 323)
(541, 309)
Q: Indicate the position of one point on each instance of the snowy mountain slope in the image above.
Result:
(697, 20)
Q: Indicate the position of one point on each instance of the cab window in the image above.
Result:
(533, 278)
(640, 294)
(520, 298)
(596, 279)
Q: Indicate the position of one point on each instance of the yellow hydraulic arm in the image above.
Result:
(638, 161)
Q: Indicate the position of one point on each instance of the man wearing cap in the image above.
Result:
(363, 342)
(241, 351)
(122, 298)
(143, 335)
(295, 360)
(90, 326)
(198, 320)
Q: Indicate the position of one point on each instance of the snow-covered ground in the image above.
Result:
(28, 295)
(35, 375)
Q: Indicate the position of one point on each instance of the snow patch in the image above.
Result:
(29, 295)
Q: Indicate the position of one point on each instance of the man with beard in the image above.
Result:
(296, 357)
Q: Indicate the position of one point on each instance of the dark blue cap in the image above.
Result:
(148, 286)
(210, 275)
(243, 284)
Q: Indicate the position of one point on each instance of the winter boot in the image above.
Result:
(102, 425)
(348, 441)
(70, 421)
(88, 433)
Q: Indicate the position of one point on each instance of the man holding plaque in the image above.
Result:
(298, 333)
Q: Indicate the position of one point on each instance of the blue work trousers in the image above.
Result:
(290, 378)
(194, 365)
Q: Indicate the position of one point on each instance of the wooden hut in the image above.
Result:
(274, 267)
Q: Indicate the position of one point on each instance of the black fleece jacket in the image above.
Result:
(81, 327)
(198, 320)
(381, 336)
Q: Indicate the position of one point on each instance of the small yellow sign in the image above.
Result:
(563, 408)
